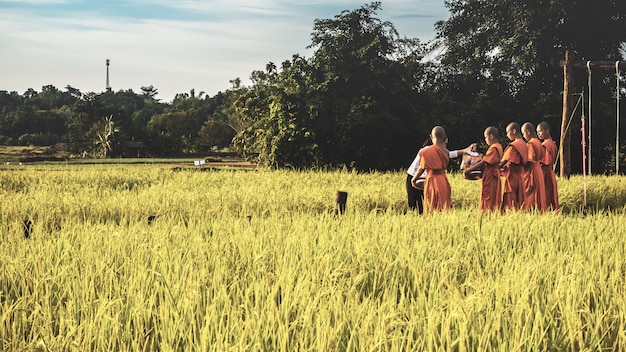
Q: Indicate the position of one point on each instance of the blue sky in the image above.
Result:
(174, 45)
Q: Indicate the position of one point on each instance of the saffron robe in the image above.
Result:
(491, 187)
(547, 165)
(535, 191)
(437, 191)
(515, 157)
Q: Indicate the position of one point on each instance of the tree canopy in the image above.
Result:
(508, 46)
(366, 98)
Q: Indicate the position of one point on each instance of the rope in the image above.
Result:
(569, 122)
(582, 130)
(571, 116)
(617, 73)
(589, 85)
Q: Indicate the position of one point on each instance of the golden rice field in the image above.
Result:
(153, 258)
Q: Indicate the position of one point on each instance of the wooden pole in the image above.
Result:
(617, 93)
(341, 199)
(564, 147)
(28, 227)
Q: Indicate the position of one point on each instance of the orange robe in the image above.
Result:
(547, 165)
(491, 187)
(515, 157)
(535, 191)
(437, 191)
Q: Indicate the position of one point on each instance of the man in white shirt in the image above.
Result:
(415, 196)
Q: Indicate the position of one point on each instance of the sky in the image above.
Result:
(173, 45)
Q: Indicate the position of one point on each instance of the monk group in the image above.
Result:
(526, 166)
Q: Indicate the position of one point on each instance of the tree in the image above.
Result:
(365, 89)
(504, 48)
(107, 136)
(214, 133)
(172, 132)
(514, 39)
(149, 91)
(281, 138)
(85, 114)
(9, 102)
(355, 102)
(75, 92)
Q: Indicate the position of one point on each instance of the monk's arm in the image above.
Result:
(456, 153)
(503, 162)
(417, 175)
(477, 166)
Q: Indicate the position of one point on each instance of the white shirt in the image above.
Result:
(415, 165)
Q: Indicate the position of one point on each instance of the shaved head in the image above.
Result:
(528, 129)
(543, 131)
(491, 130)
(439, 133)
(544, 126)
(527, 126)
(513, 126)
(513, 131)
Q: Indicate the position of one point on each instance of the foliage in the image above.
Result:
(363, 95)
(278, 128)
(505, 48)
(367, 97)
(214, 133)
(106, 138)
(354, 102)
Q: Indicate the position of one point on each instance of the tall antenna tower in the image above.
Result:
(108, 87)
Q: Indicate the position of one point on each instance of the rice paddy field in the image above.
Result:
(157, 258)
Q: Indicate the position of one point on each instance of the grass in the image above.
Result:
(257, 261)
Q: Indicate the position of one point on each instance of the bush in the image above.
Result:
(39, 139)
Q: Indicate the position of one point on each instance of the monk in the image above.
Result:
(513, 160)
(491, 187)
(434, 160)
(535, 191)
(547, 165)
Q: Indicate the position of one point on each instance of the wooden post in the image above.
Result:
(564, 145)
(28, 227)
(568, 84)
(342, 199)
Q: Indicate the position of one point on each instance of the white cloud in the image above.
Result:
(208, 44)
(36, 2)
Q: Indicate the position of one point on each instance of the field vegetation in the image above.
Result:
(155, 257)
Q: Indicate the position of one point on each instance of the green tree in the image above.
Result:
(499, 52)
(275, 118)
(365, 89)
(75, 92)
(9, 102)
(171, 132)
(85, 114)
(214, 133)
(149, 92)
(356, 102)
(517, 40)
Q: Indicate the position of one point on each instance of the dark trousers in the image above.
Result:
(414, 195)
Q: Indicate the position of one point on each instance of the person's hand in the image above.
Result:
(466, 173)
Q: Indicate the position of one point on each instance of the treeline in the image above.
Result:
(366, 98)
(121, 123)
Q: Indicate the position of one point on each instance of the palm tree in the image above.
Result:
(105, 138)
